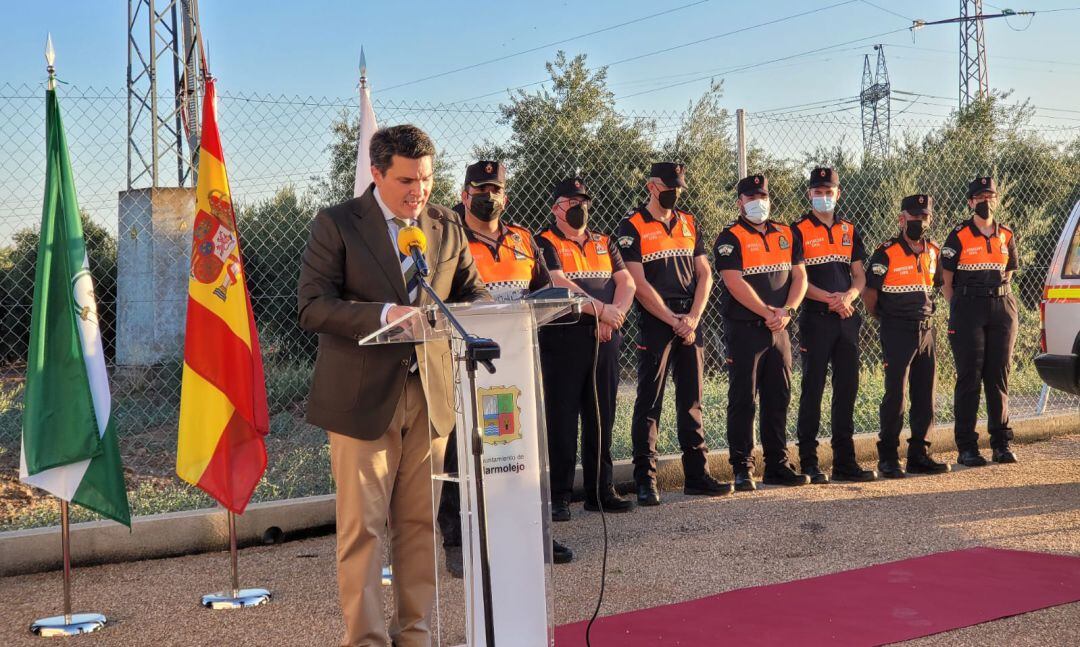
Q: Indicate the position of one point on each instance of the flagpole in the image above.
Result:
(235, 597)
(65, 543)
(68, 624)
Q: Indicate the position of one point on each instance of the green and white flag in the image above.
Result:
(69, 443)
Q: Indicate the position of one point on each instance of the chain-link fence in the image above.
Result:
(287, 157)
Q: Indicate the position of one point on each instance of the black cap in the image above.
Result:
(485, 172)
(672, 174)
(919, 204)
(753, 185)
(824, 177)
(571, 187)
(981, 185)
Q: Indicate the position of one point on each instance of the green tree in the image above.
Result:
(573, 128)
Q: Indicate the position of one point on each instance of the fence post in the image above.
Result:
(740, 137)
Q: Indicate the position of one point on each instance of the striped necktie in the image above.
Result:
(408, 268)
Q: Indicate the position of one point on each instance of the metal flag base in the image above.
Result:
(68, 625)
(236, 599)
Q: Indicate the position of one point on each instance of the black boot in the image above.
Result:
(744, 482)
(970, 458)
(706, 485)
(647, 494)
(1004, 455)
(560, 511)
(852, 472)
(890, 468)
(609, 500)
(782, 474)
(561, 554)
(817, 477)
(922, 463)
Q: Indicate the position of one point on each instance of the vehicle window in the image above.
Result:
(1071, 269)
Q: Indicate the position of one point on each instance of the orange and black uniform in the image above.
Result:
(982, 328)
(511, 266)
(566, 353)
(905, 282)
(825, 338)
(757, 358)
(510, 263)
(666, 252)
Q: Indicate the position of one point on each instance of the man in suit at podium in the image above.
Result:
(376, 401)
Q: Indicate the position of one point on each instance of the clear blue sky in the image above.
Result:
(311, 48)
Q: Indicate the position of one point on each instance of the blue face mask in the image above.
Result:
(823, 203)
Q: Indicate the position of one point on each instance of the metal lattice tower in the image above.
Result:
(163, 111)
(974, 83)
(876, 110)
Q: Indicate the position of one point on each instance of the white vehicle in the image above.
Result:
(1059, 364)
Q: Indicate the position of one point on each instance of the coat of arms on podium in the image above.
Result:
(500, 415)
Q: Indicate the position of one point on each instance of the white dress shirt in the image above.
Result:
(393, 228)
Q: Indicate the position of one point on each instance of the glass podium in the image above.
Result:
(512, 493)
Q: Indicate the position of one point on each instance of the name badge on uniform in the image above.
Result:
(685, 229)
(783, 242)
(846, 241)
(601, 248)
(519, 254)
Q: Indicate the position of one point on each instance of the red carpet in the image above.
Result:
(867, 606)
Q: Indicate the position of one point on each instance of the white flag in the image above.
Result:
(363, 141)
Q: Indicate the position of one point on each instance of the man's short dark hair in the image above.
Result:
(405, 140)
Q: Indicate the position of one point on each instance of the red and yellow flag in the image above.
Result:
(223, 411)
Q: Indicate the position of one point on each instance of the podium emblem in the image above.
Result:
(500, 414)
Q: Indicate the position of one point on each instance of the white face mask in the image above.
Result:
(823, 203)
(757, 211)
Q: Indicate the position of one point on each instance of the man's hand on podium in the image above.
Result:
(397, 312)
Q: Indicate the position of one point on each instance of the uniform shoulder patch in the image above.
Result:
(948, 252)
(879, 269)
(625, 241)
(725, 249)
(959, 227)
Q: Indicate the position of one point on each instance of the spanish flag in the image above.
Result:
(223, 411)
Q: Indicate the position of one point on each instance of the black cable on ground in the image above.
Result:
(599, 468)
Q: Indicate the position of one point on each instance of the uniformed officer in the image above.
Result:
(664, 252)
(978, 260)
(761, 264)
(900, 294)
(829, 328)
(589, 263)
(511, 265)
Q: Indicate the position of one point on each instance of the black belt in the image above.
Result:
(923, 324)
(973, 291)
(679, 306)
(753, 323)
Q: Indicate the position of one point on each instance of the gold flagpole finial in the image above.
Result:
(50, 60)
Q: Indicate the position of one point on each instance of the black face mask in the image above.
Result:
(577, 216)
(485, 207)
(982, 210)
(667, 199)
(914, 229)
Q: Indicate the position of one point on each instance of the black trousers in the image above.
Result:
(660, 350)
(759, 363)
(824, 339)
(566, 359)
(449, 517)
(908, 349)
(982, 334)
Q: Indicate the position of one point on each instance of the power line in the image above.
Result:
(544, 46)
(755, 65)
(877, 6)
(675, 47)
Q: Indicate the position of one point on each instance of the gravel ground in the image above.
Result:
(683, 549)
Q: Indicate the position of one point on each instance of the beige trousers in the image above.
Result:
(377, 480)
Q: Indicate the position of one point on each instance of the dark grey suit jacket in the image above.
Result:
(349, 270)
